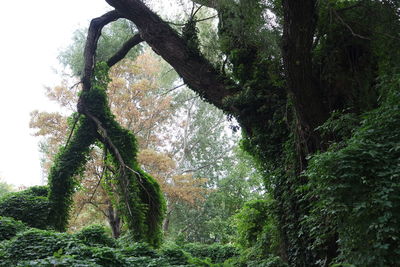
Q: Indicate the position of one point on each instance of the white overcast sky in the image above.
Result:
(32, 34)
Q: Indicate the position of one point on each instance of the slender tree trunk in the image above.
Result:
(114, 220)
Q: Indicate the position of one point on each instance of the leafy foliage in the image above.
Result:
(96, 236)
(30, 206)
(5, 188)
(216, 252)
(69, 163)
(358, 190)
(9, 227)
(47, 248)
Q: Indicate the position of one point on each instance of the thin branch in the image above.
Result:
(172, 89)
(348, 26)
(197, 20)
(72, 130)
(127, 46)
(197, 10)
(350, 7)
(203, 166)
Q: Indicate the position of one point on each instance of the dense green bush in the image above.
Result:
(255, 224)
(217, 253)
(10, 227)
(243, 261)
(139, 250)
(37, 190)
(33, 244)
(96, 236)
(36, 247)
(28, 206)
(175, 255)
(61, 261)
(358, 190)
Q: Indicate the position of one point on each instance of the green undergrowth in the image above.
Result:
(24, 246)
(92, 246)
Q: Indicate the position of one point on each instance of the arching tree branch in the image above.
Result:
(195, 70)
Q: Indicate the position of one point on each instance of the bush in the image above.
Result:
(34, 244)
(272, 261)
(139, 250)
(108, 257)
(37, 190)
(62, 261)
(9, 228)
(96, 236)
(174, 254)
(256, 226)
(28, 206)
(357, 188)
(217, 253)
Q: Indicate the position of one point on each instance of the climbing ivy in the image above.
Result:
(140, 200)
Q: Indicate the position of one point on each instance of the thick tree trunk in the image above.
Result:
(298, 32)
(300, 21)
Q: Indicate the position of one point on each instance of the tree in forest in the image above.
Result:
(136, 101)
(289, 67)
(5, 188)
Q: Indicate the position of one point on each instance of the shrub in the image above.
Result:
(35, 244)
(174, 254)
(62, 261)
(95, 235)
(37, 190)
(357, 188)
(28, 206)
(9, 228)
(217, 253)
(139, 250)
(255, 223)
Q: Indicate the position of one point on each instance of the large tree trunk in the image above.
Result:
(298, 32)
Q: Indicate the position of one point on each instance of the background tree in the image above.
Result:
(5, 188)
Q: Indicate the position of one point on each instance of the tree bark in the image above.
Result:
(298, 32)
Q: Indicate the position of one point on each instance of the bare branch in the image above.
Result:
(348, 26)
(197, 20)
(128, 45)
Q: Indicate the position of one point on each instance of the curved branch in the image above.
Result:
(128, 45)
(195, 70)
(94, 32)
